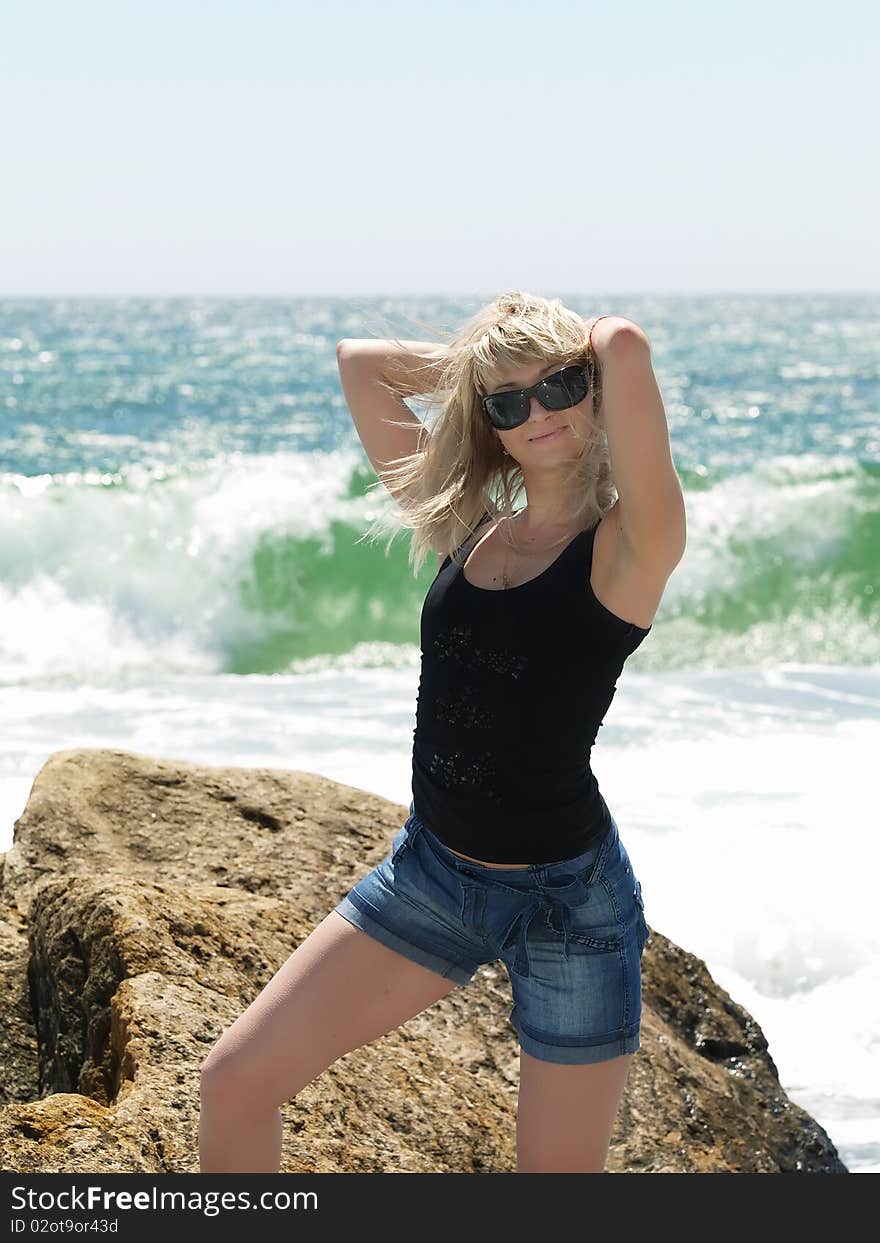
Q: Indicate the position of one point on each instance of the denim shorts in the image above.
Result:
(570, 934)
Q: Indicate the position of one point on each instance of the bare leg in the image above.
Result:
(338, 990)
(566, 1114)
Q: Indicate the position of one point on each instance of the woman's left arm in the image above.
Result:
(651, 510)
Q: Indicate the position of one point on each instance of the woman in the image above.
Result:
(509, 852)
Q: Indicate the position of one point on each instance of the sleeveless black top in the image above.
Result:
(514, 685)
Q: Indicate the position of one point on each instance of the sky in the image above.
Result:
(271, 147)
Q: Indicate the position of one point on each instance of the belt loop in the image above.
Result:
(566, 928)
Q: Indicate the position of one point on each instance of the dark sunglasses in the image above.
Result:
(559, 391)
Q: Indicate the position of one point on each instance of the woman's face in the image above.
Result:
(547, 437)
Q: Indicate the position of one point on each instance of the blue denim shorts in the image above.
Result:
(570, 934)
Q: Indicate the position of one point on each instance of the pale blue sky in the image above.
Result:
(262, 147)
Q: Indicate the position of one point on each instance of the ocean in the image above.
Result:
(181, 492)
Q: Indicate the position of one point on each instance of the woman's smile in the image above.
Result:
(544, 440)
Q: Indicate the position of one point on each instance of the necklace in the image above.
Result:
(528, 552)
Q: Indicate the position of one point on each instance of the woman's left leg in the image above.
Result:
(566, 1114)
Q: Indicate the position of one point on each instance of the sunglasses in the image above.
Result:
(559, 391)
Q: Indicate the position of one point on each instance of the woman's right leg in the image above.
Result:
(338, 990)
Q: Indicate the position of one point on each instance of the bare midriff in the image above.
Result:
(470, 859)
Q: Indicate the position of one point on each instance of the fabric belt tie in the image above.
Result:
(572, 885)
(548, 905)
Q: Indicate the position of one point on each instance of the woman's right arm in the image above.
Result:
(415, 365)
(362, 364)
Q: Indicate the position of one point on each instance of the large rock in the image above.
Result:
(144, 904)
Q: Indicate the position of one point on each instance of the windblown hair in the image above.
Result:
(460, 470)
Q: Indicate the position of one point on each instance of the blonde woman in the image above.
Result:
(510, 852)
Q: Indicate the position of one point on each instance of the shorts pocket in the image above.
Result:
(422, 880)
(593, 923)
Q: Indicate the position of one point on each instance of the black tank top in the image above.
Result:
(514, 685)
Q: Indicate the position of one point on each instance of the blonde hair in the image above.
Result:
(460, 470)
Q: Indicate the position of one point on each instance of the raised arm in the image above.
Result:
(376, 411)
(385, 424)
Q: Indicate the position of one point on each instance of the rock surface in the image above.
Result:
(144, 903)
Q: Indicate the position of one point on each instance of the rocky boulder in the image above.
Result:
(144, 903)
